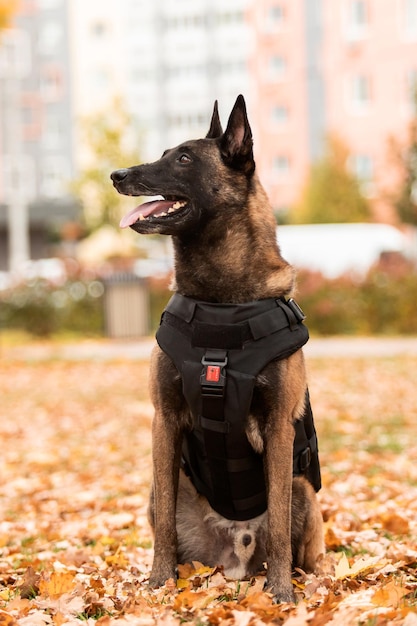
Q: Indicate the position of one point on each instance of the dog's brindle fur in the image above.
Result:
(226, 252)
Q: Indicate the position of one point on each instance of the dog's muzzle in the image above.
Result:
(119, 175)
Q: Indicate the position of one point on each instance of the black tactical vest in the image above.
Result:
(219, 349)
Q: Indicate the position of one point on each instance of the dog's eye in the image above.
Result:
(184, 158)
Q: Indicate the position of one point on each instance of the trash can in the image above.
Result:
(126, 306)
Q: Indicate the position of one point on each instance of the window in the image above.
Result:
(362, 167)
(51, 83)
(277, 68)
(360, 93)
(54, 176)
(15, 55)
(53, 132)
(356, 19)
(281, 166)
(275, 17)
(280, 115)
(50, 37)
(98, 29)
(48, 4)
(411, 91)
(18, 176)
(409, 18)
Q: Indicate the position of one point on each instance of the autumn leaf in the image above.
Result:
(57, 584)
(7, 620)
(394, 523)
(390, 595)
(331, 539)
(117, 559)
(30, 584)
(192, 600)
(344, 570)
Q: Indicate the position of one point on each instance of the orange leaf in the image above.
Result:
(6, 619)
(331, 539)
(188, 599)
(58, 584)
(395, 524)
(389, 595)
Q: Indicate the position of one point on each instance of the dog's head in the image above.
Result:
(191, 178)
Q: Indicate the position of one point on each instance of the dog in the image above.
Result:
(226, 255)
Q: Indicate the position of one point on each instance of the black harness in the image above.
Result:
(219, 349)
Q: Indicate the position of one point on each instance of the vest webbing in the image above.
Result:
(219, 349)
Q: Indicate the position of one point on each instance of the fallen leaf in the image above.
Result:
(394, 523)
(57, 584)
(390, 595)
(7, 620)
(344, 570)
(192, 600)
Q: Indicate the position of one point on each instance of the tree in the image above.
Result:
(332, 194)
(406, 199)
(109, 137)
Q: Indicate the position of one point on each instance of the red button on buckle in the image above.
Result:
(213, 373)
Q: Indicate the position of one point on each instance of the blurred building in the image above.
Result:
(182, 56)
(36, 148)
(306, 67)
(343, 67)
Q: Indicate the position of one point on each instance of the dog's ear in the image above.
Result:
(215, 129)
(236, 143)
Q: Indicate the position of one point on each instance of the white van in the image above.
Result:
(334, 249)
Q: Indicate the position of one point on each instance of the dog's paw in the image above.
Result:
(280, 593)
(159, 579)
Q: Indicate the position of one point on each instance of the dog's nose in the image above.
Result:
(118, 175)
(247, 540)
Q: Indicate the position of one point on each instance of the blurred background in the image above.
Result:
(88, 87)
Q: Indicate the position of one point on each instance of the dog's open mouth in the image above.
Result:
(158, 208)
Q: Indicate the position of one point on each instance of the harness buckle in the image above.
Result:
(296, 309)
(213, 376)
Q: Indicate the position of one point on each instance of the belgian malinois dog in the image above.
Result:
(226, 253)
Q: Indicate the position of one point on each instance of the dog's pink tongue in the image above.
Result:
(155, 207)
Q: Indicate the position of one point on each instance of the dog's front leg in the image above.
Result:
(278, 466)
(167, 429)
(166, 461)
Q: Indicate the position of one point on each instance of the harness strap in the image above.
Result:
(219, 437)
(213, 383)
(180, 314)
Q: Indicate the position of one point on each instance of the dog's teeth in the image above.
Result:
(171, 210)
(178, 205)
(141, 218)
(163, 215)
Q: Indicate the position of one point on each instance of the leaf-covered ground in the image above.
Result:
(75, 465)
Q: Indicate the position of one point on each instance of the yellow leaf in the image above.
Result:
(195, 569)
(344, 570)
(58, 584)
(117, 559)
(183, 583)
(390, 595)
(106, 541)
